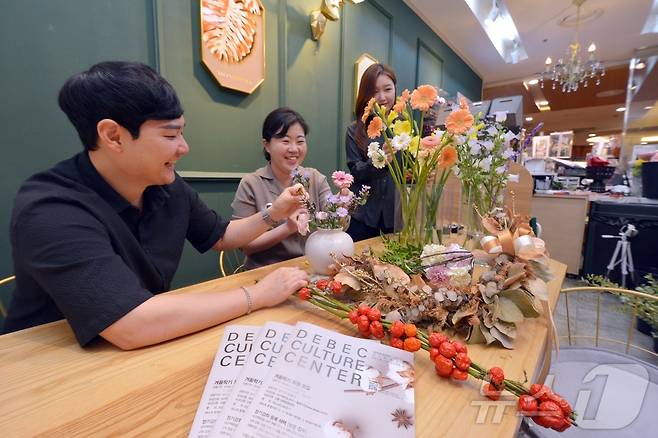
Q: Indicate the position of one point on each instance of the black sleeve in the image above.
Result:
(69, 253)
(361, 167)
(206, 227)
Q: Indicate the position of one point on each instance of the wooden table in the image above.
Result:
(51, 386)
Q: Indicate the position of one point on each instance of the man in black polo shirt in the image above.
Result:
(96, 238)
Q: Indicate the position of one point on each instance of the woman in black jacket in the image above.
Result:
(378, 214)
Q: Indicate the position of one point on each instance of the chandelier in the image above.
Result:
(571, 72)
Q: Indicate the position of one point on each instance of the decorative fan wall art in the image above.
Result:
(232, 42)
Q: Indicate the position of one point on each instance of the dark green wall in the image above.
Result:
(42, 42)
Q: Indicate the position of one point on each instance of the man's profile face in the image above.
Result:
(153, 155)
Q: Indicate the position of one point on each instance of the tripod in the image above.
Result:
(622, 254)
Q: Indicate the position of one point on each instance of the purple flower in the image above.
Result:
(341, 212)
(333, 199)
(534, 132)
(345, 199)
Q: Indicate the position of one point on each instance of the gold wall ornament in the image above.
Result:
(331, 9)
(233, 42)
(318, 24)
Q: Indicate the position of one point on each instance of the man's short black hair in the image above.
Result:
(278, 122)
(130, 93)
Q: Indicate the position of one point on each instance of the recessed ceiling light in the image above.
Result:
(591, 135)
(542, 103)
(640, 65)
(648, 107)
(533, 81)
(528, 119)
(621, 109)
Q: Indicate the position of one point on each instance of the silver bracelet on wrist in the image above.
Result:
(265, 214)
(250, 303)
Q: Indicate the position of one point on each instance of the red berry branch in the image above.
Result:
(450, 356)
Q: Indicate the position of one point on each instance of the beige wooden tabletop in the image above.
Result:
(51, 386)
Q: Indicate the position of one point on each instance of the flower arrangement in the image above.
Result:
(338, 207)
(450, 357)
(481, 295)
(419, 166)
(485, 151)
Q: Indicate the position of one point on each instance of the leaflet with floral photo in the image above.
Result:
(231, 357)
(264, 353)
(325, 384)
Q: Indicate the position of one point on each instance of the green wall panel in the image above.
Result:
(43, 42)
(430, 66)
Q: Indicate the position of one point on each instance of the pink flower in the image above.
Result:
(430, 142)
(302, 223)
(342, 179)
(438, 275)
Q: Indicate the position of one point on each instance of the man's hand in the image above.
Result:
(288, 202)
(277, 286)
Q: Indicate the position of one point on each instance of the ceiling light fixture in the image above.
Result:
(495, 19)
(644, 142)
(621, 109)
(591, 135)
(651, 139)
(639, 65)
(648, 107)
(529, 119)
(542, 103)
(533, 81)
(571, 73)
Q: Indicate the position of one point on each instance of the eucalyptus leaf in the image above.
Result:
(509, 312)
(538, 288)
(523, 300)
(487, 335)
(465, 311)
(505, 340)
(540, 270)
(475, 336)
(507, 328)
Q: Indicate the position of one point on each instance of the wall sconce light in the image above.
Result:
(329, 10)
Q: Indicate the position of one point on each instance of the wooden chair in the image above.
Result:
(231, 262)
(3, 310)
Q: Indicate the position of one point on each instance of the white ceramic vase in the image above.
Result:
(324, 242)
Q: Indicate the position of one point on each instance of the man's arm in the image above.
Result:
(169, 316)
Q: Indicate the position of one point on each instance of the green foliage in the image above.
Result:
(405, 256)
(645, 309)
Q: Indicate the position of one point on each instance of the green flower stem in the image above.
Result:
(336, 312)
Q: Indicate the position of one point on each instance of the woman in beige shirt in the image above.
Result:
(284, 146)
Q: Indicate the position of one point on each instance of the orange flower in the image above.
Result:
(430, 142)
(401, 101)
(375, 127)
(460, 121)
(448, 156)
(423, 97)
(462, 103)
(368, 109)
